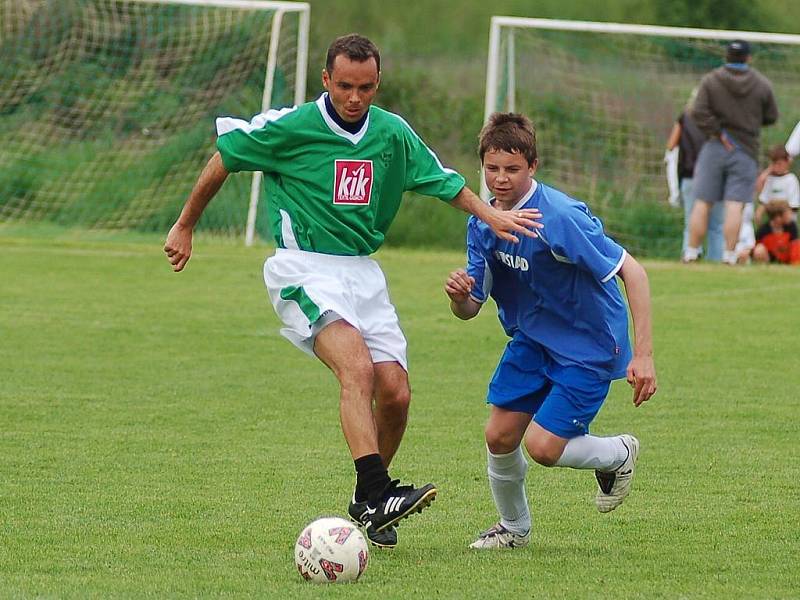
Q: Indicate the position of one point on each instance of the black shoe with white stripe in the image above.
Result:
(360, 516)
(399, 502)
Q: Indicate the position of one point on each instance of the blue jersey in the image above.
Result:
(558, 289)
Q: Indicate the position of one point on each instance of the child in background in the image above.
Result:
(776, 182)
(776, 241)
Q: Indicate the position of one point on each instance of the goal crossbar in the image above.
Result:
(243, 4)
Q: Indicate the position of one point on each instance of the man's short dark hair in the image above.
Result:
(737, 51)
(508, 132)
(355, 47)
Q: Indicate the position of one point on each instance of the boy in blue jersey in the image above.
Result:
(559, 302)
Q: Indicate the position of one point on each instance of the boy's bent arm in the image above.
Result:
(178, 246)
(465, 310)
(641, 370)
(458, 287)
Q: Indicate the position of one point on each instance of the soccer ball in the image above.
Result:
(331, 550)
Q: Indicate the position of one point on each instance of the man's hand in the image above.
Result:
(458, 286)
(642, 377)
(178, 246)
(505, 223)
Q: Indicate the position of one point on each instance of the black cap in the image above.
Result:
(738, 49)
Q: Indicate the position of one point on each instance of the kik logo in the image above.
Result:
(353, 183)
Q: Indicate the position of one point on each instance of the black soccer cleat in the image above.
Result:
(359, 514)
(399, 502)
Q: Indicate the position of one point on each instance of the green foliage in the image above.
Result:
(712, 14)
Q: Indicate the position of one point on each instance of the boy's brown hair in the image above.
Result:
(778, 153)
(776, 208)
(508, 132)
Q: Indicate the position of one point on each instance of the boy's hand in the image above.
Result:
(642, 378)
(505, 223)
(458, 286)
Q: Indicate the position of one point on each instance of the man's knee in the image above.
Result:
(357, 375)
(396, 399)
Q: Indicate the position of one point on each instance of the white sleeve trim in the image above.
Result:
(616, 269)
(228, 124)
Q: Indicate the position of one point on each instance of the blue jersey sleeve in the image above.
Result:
(576, 236)
(478, 265)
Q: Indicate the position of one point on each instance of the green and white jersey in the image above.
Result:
(328, 190)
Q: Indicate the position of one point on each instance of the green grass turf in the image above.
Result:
(159, 438)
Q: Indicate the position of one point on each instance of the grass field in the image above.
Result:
(159, 438)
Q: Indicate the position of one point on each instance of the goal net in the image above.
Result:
(107, 106)
(604, 96)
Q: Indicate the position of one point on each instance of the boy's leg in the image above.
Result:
(558, 436)
(581, 452)
(517, 389)
(507, 467)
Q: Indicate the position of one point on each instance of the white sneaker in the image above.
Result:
(615, 485)
(498, 536)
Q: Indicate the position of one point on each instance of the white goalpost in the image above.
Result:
(107, 106)
(604, 96)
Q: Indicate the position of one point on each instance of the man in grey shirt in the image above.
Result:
(733, 103)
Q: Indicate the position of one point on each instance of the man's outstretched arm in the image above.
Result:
(178, 246)
(504, 223)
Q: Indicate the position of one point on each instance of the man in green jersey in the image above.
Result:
(335, 171)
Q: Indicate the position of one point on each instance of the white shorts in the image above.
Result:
(310, 290)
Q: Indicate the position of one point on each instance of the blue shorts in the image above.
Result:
(563, 399)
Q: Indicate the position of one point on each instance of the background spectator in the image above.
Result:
(683, 147)
(733, 102)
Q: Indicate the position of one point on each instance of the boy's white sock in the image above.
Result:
(507, 481)
(591, 452)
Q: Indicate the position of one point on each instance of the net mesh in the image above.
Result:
(107, 107)
(604, 104)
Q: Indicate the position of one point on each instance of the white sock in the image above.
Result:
(507, 481)
(591, 452)
(729, 257)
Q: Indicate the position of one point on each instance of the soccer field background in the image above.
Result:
(159, 438)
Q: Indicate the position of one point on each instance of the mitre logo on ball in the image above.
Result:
(353, 183)
(331, 550)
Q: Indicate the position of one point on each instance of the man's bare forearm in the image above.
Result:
(208, 184)
(467, 201)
